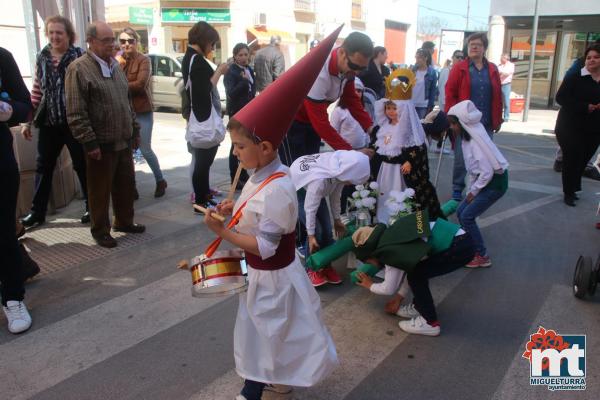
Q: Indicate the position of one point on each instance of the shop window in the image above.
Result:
(520, 53)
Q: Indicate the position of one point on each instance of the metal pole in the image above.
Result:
(30, 34)
(531, 62)
(468, 13)
(437, 170)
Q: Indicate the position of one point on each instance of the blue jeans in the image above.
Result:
(506, 100)
(323, 228)
(146, 121)
(459, 171)
(468, 212)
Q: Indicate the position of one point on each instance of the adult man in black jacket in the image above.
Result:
(15, 106)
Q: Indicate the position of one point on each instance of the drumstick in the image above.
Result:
(213, 214)
(235, 182)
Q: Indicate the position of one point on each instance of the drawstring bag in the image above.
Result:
(203, 134)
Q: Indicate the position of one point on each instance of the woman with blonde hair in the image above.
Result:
(50, 116)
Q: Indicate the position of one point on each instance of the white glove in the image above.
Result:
(6, 111)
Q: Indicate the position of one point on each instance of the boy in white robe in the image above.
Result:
(279, 336)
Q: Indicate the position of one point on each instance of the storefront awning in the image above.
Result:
(263, 36)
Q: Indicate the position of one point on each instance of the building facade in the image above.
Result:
(565, 29)
(389, 23)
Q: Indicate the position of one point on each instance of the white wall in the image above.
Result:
(546, 7)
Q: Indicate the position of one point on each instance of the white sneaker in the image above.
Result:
(18, 317)
(240, 397)
(408, 311)
(280, 389)
(419, 326)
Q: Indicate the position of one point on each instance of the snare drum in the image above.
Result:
(219, 275)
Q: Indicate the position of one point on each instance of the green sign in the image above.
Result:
(141, 16)
(193, 15)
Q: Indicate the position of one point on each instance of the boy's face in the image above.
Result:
(251, 155)
(391, 112)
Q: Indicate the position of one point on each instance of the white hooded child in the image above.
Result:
(324, 175)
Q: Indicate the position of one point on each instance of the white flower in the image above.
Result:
(394, 194)
(371, 206)
(358, 204)
(355, 195)
(360, 187)
(399, 196)
(409, 192)
(364, 194)
(374, 185)
(401, 207)
(393, 207)
(369, 202)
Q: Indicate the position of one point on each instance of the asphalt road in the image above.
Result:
(122, 324)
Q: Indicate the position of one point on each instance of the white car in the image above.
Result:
(167, 81)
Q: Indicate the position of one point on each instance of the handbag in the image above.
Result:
(203, 134)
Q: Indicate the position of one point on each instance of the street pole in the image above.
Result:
(468, 13)
(531, 62)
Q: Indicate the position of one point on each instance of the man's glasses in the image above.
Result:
(130, 41)
(106, 41)
(355, 67)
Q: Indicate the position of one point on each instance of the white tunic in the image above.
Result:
(389, 176)
(349, 128)
(315, 192)
(279, 335)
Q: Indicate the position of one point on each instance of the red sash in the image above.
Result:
(284, 255)
(210, 250)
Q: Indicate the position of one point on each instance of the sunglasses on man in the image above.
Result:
(355, 67)
(130, 41)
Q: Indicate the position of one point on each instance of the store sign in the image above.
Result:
(141, 16)
(193, 15)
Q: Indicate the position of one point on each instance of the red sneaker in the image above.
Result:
(331, 275)
(316, 278)
(597, 225)
(479, 261)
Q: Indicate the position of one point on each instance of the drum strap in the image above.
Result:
(210, 250)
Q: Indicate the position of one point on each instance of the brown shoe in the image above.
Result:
(160, 188)
(106, 241)
(133, 228)
(136, 194)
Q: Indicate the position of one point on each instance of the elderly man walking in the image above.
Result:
(101, 118)
(268, 64)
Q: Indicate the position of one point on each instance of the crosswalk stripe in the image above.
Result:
(364, 336)
(52, 354)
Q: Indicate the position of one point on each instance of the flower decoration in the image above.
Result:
(400, 204)
(364, 197)
(545, 339)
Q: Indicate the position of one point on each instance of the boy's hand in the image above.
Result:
(225, 207)
(365, 280)
(340, 228)
(406, 167)
(313, 245)
(213, 224)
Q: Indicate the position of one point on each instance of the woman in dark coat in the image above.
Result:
(202, 39)
(240, 88)
(374, 76)
(578, 123)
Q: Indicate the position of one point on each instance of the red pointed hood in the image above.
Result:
(269, 115)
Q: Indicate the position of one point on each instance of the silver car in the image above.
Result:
(167, 81)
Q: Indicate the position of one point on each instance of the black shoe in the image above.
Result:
(85, 218)
(570, 200)
(106, 241)
(133, 228)
(32, 220)
(211, 203)
(136, 195)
